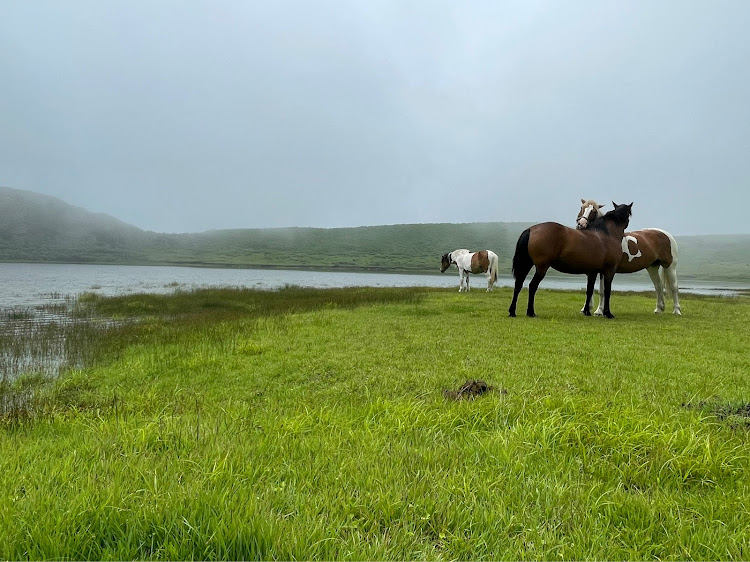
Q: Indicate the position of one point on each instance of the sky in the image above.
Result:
(186, 116)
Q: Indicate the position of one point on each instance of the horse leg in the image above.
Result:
(460, 280)
(600, 309)
(520, 275)
(608, 276)
(533, 286)
(468, 286)
(653, 272)
(670, 280)
(590, 282)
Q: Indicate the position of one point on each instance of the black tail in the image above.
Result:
(521, 259)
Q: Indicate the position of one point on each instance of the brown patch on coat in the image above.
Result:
(480, 262)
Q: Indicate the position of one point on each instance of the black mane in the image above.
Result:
(619, 215)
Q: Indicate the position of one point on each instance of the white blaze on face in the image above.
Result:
(626, 247)
(583, 220)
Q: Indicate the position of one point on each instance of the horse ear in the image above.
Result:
(602, 205)
(583, 201)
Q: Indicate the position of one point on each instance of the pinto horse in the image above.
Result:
(484, 261)
(594, 251)
(649, 249)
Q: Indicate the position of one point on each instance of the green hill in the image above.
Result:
(39, 228)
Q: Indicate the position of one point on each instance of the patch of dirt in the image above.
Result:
(470, 390)
(725, 412)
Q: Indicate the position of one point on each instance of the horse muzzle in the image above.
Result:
(582, 224)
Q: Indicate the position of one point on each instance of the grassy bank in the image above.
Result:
(311, 424)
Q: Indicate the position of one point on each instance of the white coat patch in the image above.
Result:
(626, 247)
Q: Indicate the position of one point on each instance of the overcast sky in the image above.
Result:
(184, 116)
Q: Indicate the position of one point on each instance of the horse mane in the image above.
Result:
(620, 215)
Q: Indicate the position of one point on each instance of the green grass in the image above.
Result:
(311, 424)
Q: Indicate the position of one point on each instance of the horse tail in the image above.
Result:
(522, 261)
(669, 274)
(493, 267)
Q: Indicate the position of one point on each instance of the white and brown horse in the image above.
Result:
(484, 261)
(649, 249)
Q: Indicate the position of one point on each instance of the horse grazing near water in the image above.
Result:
(649, 249)
(484, 261)
(594, 251)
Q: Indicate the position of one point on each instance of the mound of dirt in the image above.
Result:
(470, 390)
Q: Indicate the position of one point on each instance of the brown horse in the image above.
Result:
(596, 250)
(649, 249)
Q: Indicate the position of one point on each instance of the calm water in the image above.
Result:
(31, 285)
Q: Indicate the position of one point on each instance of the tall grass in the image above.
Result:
(306, 424)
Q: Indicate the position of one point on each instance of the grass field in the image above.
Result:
(312, 424)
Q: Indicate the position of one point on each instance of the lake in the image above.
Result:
(32, 285)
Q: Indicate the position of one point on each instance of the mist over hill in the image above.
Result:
(39, 228)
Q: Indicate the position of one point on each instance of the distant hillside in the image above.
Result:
(38, 228)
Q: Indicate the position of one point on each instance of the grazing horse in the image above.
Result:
(649, 249)
(484, 261)
(596, 250)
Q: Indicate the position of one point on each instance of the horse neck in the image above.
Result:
(615, 228)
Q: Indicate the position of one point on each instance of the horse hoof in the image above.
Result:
(511, 315)
(531, 315)
(677, 312)
(610, 315)
(586, 312)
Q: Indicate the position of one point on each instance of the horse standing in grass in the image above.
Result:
(649, 249)
(594, 251)
(484, 261)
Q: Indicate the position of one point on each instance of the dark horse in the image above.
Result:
(597, 250)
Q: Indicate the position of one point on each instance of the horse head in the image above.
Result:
(445, 262)
(589, 213)
(620, 215)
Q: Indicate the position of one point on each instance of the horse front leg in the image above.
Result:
(590, 282)
(608, 276)
(460, 280)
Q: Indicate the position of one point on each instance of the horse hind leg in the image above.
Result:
(520, 275)
(533, 286)
(653, 272)
(669, 275)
